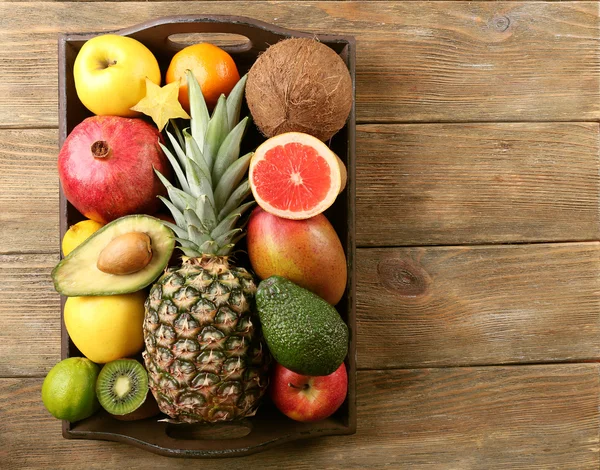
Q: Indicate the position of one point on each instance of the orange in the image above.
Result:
(214, 69)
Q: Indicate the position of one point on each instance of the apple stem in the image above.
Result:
(106, 63)
(304, 387)
(100, 149)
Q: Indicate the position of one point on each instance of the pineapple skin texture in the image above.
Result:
(205, 355)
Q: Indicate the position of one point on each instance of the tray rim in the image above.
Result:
(350, 43)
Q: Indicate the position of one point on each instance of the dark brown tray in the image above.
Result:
(269, 427)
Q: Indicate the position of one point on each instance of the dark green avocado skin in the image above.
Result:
(304, 333)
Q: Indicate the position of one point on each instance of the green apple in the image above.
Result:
(110, 74)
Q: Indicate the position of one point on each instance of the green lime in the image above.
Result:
(69, 389)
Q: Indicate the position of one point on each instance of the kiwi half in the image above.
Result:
(122, 386)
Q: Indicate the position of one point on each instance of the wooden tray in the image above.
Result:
(269, 427)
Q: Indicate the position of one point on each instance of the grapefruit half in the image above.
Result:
(295, 176)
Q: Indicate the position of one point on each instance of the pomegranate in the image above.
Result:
(106, 167)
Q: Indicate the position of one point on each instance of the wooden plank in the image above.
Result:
(536, 417)
(416, 307)
(478, 305)
(416, 185)
(417, 61)
(29, 191)
(30, 313)
(92, 1)
(477, 183)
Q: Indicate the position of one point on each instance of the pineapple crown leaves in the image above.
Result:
(209, 201)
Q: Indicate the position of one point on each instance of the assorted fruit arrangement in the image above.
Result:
(207, 334)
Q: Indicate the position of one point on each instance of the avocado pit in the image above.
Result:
(126, 254)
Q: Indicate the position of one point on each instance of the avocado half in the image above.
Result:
(78, 275)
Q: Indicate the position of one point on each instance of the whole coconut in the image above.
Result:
(299, 85)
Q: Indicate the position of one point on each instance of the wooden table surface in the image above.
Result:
(478, 296)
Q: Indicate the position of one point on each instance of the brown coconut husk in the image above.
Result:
(299, 85)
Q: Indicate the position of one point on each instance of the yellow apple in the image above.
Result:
(106, 328)
(110, 74)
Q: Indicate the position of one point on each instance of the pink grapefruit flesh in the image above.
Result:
(295, 176)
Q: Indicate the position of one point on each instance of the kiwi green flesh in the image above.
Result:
(122, 386)
(78, 273)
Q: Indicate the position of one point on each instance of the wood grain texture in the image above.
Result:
(29, 191)
(477, 183)
(534, 417)
(418, 185)
(30, 315)
(448, 306)
(416, 307)
(183, 1)
(416, 61)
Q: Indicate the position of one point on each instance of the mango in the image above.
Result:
(307, 252)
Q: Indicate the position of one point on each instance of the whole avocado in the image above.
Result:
(304, 333)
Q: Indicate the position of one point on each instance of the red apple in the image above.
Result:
(106, 167)
(305, 398)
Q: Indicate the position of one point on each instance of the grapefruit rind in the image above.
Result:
(336, 167)
(343, 173)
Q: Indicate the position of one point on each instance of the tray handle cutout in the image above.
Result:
(157, 34)
(232, 43)
(202, 432)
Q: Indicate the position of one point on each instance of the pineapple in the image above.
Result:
(205, 355)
